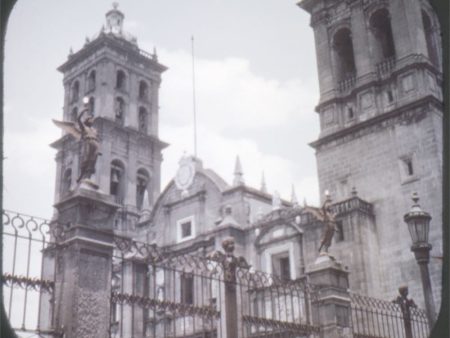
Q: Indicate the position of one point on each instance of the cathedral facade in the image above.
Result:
(380, 114)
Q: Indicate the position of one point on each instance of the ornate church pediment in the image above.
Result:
(276, 233)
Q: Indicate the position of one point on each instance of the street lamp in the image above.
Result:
(418, 222)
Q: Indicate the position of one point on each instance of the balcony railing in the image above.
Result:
(386, 66)
(354, 203)
(347, 83)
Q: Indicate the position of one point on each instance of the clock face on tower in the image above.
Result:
(185, 174)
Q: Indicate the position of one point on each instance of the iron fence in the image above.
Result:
(272, 306)
(28, 272)
(158, 293)
(376, 318)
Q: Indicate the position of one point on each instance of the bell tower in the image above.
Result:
(380, 110)
(121, 83)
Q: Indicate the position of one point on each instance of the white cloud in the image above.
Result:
(229, 95)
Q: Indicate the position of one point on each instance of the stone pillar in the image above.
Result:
(230, 306)
(331, 308)
(83, 271)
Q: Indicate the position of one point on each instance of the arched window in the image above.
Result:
(117, 184)
(74, 114)
(91, 106)
(430, 38)
(142, 180)
(143, 120)
(119, 116)
(75, 92)
(143, 90)
(121, 80)
(66, 181)
(380, 24)
(91, 81)
(343, 54)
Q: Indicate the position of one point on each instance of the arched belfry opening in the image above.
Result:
(121, 80)
(75, 92)
(343, 54)
(380, 25)
(91, 81)
(117, 181)
(431, 39)
(143, 120)
(91, 106)
(119, 108)
(142, 181)
(143, 91)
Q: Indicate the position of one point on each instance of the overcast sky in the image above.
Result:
(256, 88)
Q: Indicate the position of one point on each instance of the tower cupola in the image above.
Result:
(114, 20)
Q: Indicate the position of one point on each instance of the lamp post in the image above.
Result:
(418, 222)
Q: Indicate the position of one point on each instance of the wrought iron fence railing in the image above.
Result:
(28, 272)
(378, 318)
(156, 292)
(275, 307)
(190, 295)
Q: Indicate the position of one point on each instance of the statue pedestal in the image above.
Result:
(331, 308)
(83, 264)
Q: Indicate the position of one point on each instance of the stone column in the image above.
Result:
(331, 308)
(83, 271)
(230, 306)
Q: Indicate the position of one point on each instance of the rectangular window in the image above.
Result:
(185, 228)
(409, 171)
(409, 167)
(187, 289)
(281, 266)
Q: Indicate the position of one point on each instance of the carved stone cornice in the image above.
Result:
(409, 113)
(319, 17)
(122, 46)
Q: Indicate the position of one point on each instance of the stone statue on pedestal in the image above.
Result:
(83, 130)
(325, 215)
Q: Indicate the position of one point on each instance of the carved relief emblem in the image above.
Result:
(185, 174)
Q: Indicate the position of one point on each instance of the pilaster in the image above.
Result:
(83, 271)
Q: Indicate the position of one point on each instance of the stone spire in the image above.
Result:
(276, 200)
(263, 183)
(238, 174)
(294, 200)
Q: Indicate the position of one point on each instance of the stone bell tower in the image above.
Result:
(380, 110)
(121, 83)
